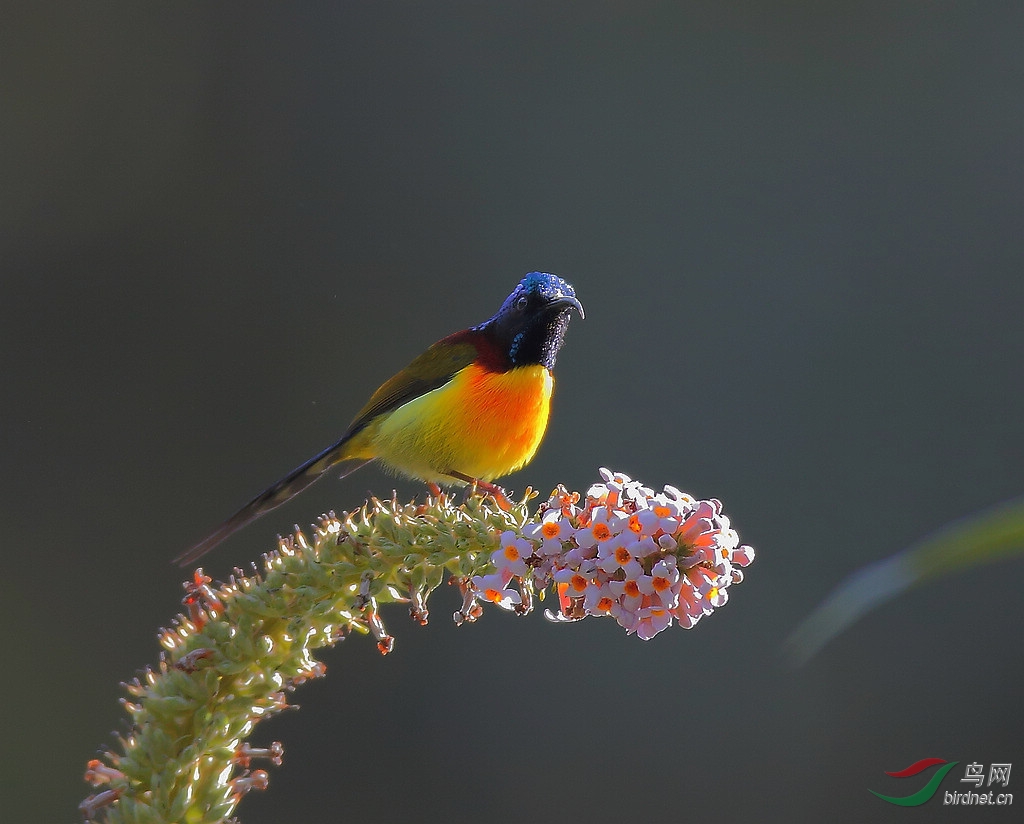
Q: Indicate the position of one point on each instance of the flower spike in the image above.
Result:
(648, 560)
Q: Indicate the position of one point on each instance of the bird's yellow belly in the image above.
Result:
(482, 424)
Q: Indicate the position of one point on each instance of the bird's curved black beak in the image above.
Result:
(570, 302)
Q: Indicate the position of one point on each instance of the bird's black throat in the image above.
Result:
(540, 340)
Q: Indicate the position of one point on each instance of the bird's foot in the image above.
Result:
(487, 488)
(498, 494)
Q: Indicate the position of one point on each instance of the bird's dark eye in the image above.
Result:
(521, 303)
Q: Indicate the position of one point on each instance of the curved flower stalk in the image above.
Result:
(645, 559)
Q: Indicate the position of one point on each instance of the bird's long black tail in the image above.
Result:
(285, 489)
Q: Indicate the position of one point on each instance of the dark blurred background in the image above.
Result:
(797, 231)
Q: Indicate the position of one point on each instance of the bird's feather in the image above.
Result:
(434, 368)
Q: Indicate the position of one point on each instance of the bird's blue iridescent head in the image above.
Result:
(530, 325)
(539, 289)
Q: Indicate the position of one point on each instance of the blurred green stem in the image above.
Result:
(992, 535)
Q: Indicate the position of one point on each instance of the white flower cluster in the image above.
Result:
(642, 558)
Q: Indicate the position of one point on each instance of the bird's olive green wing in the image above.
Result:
(434, 368)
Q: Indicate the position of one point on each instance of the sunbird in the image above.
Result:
(470, 409)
